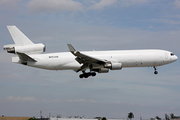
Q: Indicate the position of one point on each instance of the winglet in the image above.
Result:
(71, 48)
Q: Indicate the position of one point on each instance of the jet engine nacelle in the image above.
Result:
(113, 65)
(30, 49)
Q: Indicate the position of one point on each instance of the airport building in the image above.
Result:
(13, 118)
(51, 118)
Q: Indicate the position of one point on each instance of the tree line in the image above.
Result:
(168, 117)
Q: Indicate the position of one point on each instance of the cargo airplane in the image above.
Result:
(88, 62)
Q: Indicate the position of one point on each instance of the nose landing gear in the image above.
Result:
(155, 70)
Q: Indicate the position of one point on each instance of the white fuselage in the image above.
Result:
(128, 58)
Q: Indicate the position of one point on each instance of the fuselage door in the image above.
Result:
(166, 55)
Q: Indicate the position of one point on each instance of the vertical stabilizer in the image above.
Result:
(18, 37)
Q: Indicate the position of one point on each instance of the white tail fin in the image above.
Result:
(18, 37)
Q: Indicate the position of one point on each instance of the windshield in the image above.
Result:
(172, 54)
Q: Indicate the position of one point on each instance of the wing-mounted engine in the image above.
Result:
(113, 65)
(28, 49)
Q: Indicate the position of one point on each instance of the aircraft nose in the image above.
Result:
(175, 57)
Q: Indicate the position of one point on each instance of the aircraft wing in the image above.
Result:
(84, 59)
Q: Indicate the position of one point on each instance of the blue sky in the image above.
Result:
(91, 25)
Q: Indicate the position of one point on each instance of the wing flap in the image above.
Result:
(88, 58)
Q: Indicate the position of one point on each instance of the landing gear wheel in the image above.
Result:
(81, 75)
(93, 74)
(156, 72)
(86, 75)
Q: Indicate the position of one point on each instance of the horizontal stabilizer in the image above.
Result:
(25, 57)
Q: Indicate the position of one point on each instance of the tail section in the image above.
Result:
(22, 43)
(18, 37)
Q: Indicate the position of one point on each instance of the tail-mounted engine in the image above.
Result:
(29, 49)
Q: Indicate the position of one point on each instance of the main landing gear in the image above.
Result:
(155, 70)
(86, 75)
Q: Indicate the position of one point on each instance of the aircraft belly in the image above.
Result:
(42, 65)
(64, 61)
(70, 66)
(45, 64)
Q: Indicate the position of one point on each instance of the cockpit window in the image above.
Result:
(172, 54)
